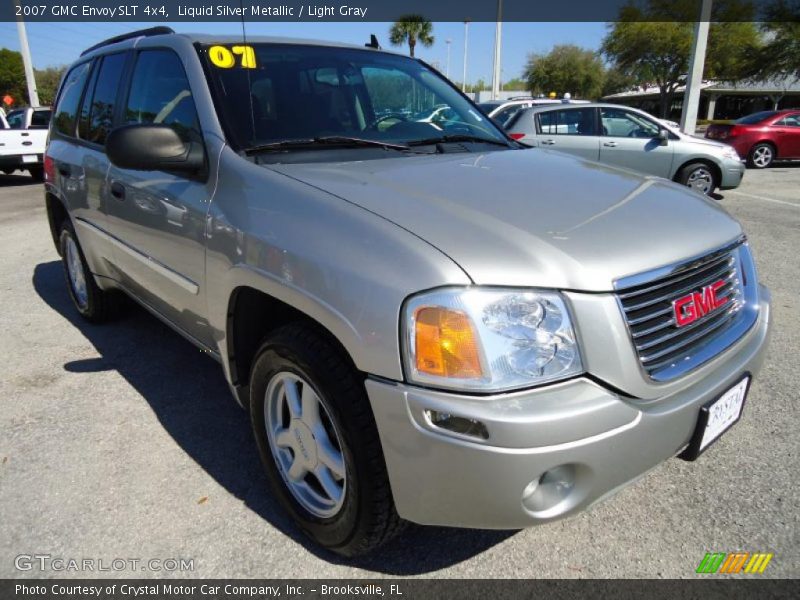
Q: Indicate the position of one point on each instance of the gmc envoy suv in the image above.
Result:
(425, 320)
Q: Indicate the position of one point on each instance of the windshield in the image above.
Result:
(756, 117)
(272, 93)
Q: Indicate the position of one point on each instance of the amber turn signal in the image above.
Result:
(446, 344)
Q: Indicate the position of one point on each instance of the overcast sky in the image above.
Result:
(58, 44)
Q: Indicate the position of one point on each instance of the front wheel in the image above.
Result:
(761, 156)
(318, 442)
(698, 176)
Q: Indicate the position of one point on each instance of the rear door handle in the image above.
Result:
(548, 143)
(610, 144)
(118, 190)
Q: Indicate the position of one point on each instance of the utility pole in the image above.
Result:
(691, 97)
(498, 37)
(466, 39)
(33, 96)
(448, 41)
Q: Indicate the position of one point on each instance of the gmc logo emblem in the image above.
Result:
(698, 304)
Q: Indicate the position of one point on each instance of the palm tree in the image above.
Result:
(411, 29)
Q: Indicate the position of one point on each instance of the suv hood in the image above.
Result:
(531, 217)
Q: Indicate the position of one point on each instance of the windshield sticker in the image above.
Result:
(225, 58)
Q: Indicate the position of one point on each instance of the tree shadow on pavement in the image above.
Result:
(188, 393)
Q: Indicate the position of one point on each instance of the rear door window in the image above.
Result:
(160, 94)
(69, 99)
(97, 114)
(571, 121)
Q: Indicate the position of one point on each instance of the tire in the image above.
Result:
(37, 173)
(93, 304)
(698, 176)
(363, 517)
(761, 156)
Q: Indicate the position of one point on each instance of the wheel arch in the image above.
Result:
(57, 214)
(252, 314)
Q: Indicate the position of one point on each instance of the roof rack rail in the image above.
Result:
(521, 98)
(160, 30)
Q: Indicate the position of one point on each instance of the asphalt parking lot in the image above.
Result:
(121, 441)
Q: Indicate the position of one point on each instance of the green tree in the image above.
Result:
(653, 44)
(780, 56)
(515, 85)
(616, 81)
(411, 29)
(12, 76)
(566, 68)
(47, 81)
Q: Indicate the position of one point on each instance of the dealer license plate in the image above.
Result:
(716, 418)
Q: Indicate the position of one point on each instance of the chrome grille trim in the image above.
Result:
(666, 351)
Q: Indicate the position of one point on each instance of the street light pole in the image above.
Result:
(33, 96)
(466, 39)
(691, 96)
(498, 37)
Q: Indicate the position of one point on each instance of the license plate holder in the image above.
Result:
(716, 417)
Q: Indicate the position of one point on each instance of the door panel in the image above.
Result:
(571, 130)
(158, 218)
(629, 140)
(787, 136)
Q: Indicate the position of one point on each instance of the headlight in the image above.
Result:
(488, 339)
(731, 153)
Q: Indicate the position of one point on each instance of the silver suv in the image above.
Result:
(627, 137)
(425, 321)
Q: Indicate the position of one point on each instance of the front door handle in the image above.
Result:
(118, 190)
(548, 143)
(610, 144)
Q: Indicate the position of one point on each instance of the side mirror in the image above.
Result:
(663, 137)
(153, 148)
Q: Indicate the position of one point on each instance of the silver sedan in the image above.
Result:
(627, 137)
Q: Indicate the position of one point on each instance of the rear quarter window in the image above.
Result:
(69, 99)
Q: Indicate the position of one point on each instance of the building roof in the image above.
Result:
(775, 86)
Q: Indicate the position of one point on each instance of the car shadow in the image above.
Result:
(188, 394)
(15, 179)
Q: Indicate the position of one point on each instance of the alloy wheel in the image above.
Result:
(77, 278)
(305, 444)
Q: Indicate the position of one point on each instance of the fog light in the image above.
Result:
(456, 424)
(550, 490)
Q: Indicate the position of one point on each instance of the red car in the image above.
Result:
(762, 137)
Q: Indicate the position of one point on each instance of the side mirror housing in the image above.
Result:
(153, 148)
(663, 137)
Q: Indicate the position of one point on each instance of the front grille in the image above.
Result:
(661, 345)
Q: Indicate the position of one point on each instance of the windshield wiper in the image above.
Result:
(323, 141)
(461, 137)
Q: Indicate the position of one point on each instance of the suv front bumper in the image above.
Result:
(551, 451)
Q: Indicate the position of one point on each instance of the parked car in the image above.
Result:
(22, 140)
(631, 138)
(762, 137)
(503, 110)
(425, 322)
